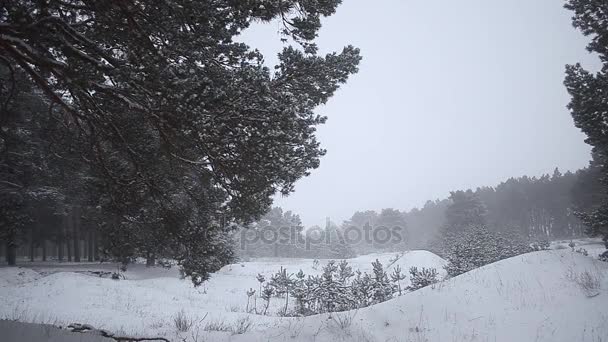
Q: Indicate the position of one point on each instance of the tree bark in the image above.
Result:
(95, 246)
(91, 236)
(32, 250)
(76, 227)
(43, 250)
(68, 244)
(68, 235)
(11, 254)
(150, 259)
(60, 249)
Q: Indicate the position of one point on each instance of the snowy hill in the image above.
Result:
(532, 297)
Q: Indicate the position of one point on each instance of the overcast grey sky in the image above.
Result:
(450, 95)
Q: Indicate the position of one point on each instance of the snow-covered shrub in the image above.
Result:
(331, 293)
(477, 246)
(382, 288)
(182, 322)
(572, 245)
(603, 256)
(362, 289)
(337, 289)
(540, 245)
(282, 282)
(165, 263)
(267, 293)
(582, 251)
(509, 244)
(421, 278)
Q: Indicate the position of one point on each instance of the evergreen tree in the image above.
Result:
(589, 102)
(382, 288)
(465, 210)
(397, 277)
(183, 129)
(363, 289)
(421, 278)
(478, 246)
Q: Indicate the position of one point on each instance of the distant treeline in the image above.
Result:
(534, 208)
(537, 208)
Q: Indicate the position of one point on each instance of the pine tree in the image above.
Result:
(478, 246)
(589, 102)
(331, 292)
(362, 289)
(397, 277)
(421, 278)
(300, 292)
(261, 279)
(382, 289)
(153, 84)
(267, 294)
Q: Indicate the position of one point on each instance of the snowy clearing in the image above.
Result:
(532, 297)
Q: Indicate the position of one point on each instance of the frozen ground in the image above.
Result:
(533, 297)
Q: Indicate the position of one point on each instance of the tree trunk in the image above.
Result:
(76, 226)
(68, 235)
(32, 250)
(95, 246)
(91, 236)
(43, 250)
(68, 245)
(59, 249)
(11, 254)
(150, 259)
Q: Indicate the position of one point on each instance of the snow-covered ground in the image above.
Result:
(532, 297)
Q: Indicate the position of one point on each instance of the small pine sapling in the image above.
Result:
(282, 283)
(261, 279)
(266, 295)
(250, 293)
(421, 278)
(382, 288)
(300, 292)
(345, 272)
(397, 277)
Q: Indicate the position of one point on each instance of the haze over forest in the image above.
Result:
(455, 95)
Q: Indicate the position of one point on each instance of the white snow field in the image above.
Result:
(531, 297)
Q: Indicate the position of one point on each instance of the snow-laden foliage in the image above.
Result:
(477, 246)
(180, 130)
(467, 242)
(422, 278)
(337, 288)
(589, 103)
